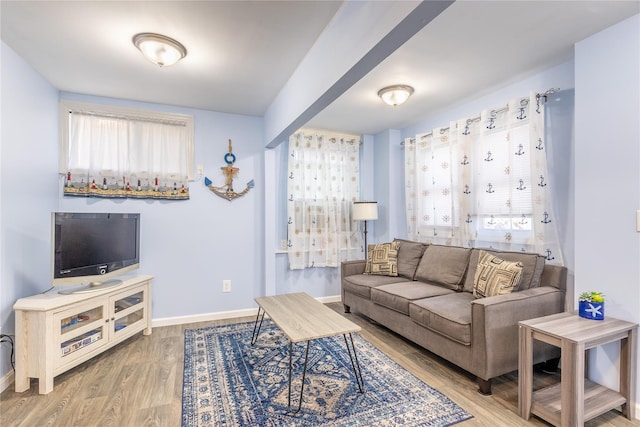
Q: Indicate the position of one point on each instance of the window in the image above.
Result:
(505, 207)
(323, 182)
(108, 151)
(481, 182)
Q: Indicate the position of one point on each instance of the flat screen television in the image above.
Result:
(93, 248)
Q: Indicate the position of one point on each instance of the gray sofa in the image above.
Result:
(429, 299)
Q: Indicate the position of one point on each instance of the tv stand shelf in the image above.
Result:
(56, 332)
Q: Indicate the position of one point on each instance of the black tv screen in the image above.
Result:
(94, 246)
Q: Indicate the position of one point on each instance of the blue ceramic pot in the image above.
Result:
(591, 310)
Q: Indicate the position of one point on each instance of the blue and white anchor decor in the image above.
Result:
(229, 171)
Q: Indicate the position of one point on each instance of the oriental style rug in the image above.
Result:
(229, 382)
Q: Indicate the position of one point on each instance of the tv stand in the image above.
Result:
(56, 332)
(91, 287)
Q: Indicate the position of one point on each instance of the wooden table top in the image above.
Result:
(570, 326)
(302, 317)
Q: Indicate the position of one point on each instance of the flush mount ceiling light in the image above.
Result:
(159, 49)
(396, 94)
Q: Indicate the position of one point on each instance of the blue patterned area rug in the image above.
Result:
(229, 382)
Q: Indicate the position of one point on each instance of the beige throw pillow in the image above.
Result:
(382, 259)
(495, 276)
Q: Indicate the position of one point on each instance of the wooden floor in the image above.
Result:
(139, 383)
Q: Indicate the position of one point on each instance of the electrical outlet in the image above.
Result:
(200, 169)
(283, 245)
(226, 286)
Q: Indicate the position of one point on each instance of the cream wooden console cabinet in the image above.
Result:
(56, 332)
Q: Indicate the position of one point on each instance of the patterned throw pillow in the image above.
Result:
(495, 276)
(382, 259)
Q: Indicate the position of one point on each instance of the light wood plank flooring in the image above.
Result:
(139, 383)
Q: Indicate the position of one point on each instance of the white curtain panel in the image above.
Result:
(483, 182)
(323, 182)
(118, 156)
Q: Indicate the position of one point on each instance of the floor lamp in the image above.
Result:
(365, 211)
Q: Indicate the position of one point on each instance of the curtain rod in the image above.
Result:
(332, 136)
(540, 97)
(132, 117)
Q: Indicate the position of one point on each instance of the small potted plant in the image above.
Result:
(591, 305)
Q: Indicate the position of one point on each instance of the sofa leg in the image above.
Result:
(550, 366)
(347, 309)
(484, 387)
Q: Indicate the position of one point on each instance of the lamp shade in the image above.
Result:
(365, 211)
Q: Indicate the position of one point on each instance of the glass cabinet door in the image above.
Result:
(128, 310)
(80, 328)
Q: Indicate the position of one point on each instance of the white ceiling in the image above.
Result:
(241, 53)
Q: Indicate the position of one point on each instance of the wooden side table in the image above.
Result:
(576, 399)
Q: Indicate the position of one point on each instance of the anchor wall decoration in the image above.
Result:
(230, 171)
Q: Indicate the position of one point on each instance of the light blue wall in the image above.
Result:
(388, 175)
(28, 174)
(192, 246)
(607, 178)
(189, 246)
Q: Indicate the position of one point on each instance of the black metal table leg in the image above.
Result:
(290, 369)
(354, 362)
(256, 327)
(304, 374)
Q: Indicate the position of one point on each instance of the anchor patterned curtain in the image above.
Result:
(117, 156)
(323, 182)
(483, 182)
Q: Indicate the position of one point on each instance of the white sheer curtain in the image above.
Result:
(483, 182)
(113, 156)
(323, 182)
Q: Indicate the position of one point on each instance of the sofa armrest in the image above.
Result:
(350, 268)
(495, 326)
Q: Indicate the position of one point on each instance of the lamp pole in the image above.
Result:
(366, 248)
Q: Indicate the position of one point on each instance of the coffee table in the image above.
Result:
(303, 318)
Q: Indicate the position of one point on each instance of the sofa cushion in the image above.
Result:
(532, 267)
(397, 296)
(448, 315)
(409, 255)
(382, 259)
(444, 265)
(495, 276)
(361, 284)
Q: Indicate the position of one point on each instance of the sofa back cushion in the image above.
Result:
(532, 267)
(409, 255)
(444, 265)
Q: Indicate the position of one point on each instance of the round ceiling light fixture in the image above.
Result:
(161, 50)
(396, 94)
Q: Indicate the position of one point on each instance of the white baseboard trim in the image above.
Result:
(221, 315)
(205, 317)
(6, 381)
